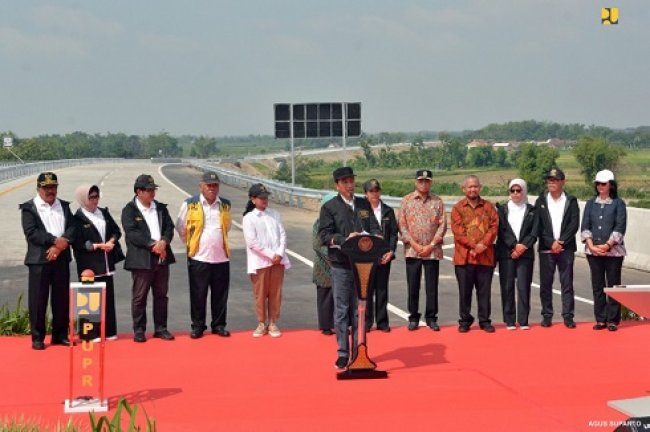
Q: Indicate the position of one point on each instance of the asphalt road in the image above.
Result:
(299, 293)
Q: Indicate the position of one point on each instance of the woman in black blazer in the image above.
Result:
(514, 251)
(96, 246)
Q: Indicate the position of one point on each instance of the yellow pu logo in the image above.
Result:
(609, 16)
(88, 303)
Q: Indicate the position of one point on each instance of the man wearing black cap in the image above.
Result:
(422, 224)
(148, 231)
(341, 218)
(377, 302)
(559, 218)
(203, 224)
(48, 226)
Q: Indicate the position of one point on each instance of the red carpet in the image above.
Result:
(540, 380)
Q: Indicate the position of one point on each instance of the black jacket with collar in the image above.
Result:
(570, 223)
(338, 221)
(38, 239)
(86, 235)
(388, 224)
(138, 237)
(507, 240)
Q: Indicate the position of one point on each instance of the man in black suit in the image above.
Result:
(343, 217)
(559, 219)
(377, 303)
(148, 231)
(48, 226)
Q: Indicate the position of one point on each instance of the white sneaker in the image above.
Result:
(274, 331)
(524, 327)
(260, 330)
(112, 338)
(511, 328)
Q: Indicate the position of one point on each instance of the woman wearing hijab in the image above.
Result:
(603, 230)
(514, 250)
(96, 246)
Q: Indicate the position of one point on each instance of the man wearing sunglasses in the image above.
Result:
(559, 219)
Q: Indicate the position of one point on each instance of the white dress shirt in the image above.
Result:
(265, 237)
(516, 214)
(97, 219)
(151, 218)
(556, 210)
(51, 216)
(211, 242)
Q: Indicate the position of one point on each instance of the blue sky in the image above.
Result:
(217, 67)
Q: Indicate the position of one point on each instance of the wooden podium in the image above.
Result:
(364, 252)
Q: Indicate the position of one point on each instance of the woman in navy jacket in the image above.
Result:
(603, 230)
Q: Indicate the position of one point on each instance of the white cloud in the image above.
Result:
(74, 21)
(16, 43)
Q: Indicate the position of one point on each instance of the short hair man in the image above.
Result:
(343, 217)
(148, 231)
(474, 222)
(203, 224)
(48, 226)
(422, 224)
(559, 220)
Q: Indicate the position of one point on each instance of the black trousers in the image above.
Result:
(472, 276)
(111, 320)
(547, 264)
(216, 278)
(377, 301)
(325, 307)
(413, 278)
(605, 272)
(156, 279)
(519, 271)
(43, 277)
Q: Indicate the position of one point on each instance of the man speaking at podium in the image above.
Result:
(341, 218)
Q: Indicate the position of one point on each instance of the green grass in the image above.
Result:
(632, 174)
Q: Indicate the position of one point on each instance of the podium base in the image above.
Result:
(83, 405)
(351, 374)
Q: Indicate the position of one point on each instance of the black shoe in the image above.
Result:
(612, 327)
(413, 325)
(341, 362)
(546, 322)
(221, 331)
(599, 326)
(368, 329)
(64, 342)
(327, 332)
(139, 337)
(488, 328)
(164, 335)
(434, 326)
(463, 328)
(384, 329)
(38, 345)
(568, 322)
(196, 334)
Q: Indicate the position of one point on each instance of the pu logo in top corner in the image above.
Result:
(609, 16)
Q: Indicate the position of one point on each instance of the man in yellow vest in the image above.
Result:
(203, 224)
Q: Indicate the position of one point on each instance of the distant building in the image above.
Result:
(478, 143)
(503, 145)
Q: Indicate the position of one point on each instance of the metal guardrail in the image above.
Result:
(281, 192)
(8, 173)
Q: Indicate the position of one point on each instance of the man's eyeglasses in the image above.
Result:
(93, 197)
(515, 190)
